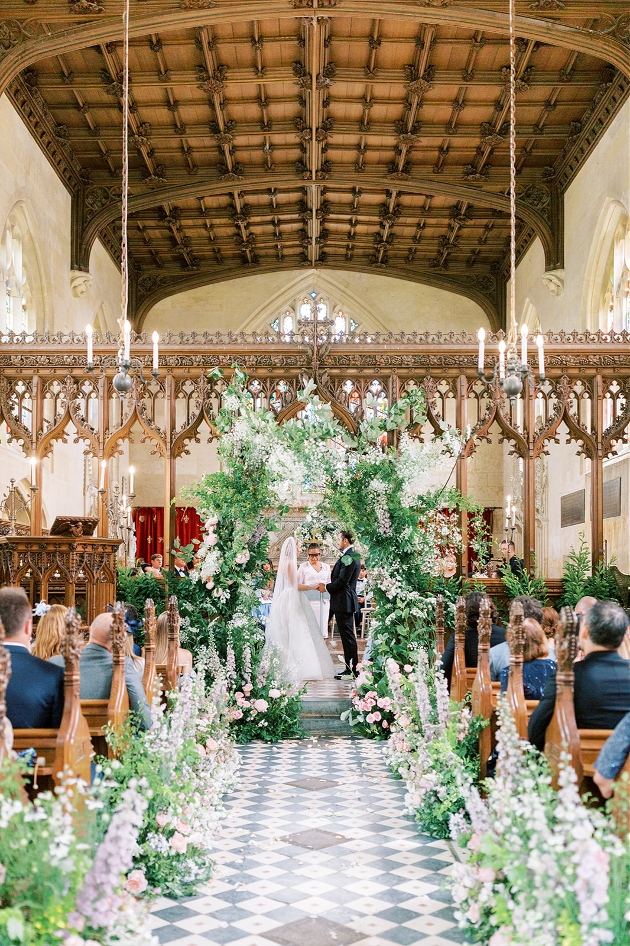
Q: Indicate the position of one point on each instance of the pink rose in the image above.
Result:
(369, 718)
(376, 716)
(136, 882)
(162, 819)
(385, 724)
(274, 694)
(211, 540)
(201, 749)
(237, 714)
(473, 843)
(407, 668)
(212, 522)
(210, 584)
(242, 558)
(179, 843)
(211, 745)
(261, 706)
(182, 827)
(486, 875)
(473, 914)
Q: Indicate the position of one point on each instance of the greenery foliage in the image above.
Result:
(524, 584)
(577, 580)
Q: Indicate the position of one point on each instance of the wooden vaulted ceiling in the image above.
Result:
(338, 133)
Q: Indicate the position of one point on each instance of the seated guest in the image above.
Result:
(34, 695)
(155, 568)
(537, 667)
(180, 568)
(585, 604)
(549, 624)
(500, 655)
(184, 657)
(612, 758)
(471, 640)
(96, 669)
(50, 632)
(130, 651)
(510, 561)
(601, 693)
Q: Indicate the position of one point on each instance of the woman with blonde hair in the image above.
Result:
(138, 662)
(184, 658)
(50, 632)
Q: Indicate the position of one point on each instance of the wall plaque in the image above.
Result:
(572, 509)
(612, 498)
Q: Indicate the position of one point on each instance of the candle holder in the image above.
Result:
(123, 379)
(14, 503)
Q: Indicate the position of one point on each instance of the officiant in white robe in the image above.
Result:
(311, 574)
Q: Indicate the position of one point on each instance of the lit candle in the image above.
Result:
(481, 335)
(89, 331)
(126, 339)
(540, 342)
(33, 465)
(524, 333)
(502, 359)
(513, 516)
(102, 479)
(509, 506)
(156, 339)
(131, 474)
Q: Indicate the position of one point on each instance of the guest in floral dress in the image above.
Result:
(537, 666)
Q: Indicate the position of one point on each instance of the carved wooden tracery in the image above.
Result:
(47, 381)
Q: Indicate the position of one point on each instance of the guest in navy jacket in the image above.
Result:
(35, 691)
(601, 692)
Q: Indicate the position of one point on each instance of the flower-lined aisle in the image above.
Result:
(537, 866)
(82, 866)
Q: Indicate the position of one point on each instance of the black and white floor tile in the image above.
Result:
(316, 851)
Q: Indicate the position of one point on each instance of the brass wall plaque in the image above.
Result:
(572, 509)
(612, 498)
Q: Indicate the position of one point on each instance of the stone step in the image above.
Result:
(322, 716)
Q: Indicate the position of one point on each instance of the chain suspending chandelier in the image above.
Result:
(123, 380)
(511, 370)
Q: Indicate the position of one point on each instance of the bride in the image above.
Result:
(291, 625)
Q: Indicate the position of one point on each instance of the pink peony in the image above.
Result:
(242, 558)
(162, 819)
(369, 718)
(237, 714)
(407, 668)
(179, 843)
(201, 749)
(212, 522)
(211, 745)
(248, 687)
(473, 913)
(182, 827)
(261, 706)
(211, 540)
(274, 694)
(136, 882)
(486, 875)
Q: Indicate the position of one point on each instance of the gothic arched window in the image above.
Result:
(18, 304)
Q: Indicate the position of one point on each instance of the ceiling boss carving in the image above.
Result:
(248, 143)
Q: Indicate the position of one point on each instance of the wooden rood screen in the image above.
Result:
(46, 393)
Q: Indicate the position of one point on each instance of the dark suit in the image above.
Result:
(344, 604)
(471, 648)
(35, 691)
(601, 695)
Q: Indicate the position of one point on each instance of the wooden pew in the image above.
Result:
(439, 625)
(68, 748)
(461, 677)
(100, 713)
(515, 694)
(482, 696)
(148, 678)
(170, 672)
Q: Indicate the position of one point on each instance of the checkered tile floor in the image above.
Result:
(315, 851)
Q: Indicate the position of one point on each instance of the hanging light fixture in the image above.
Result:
(512, 370)
(123, 381)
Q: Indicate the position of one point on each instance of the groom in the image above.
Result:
(343, 600)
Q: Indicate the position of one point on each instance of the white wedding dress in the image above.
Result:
(291, 625)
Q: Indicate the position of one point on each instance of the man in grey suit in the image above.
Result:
(96, 669)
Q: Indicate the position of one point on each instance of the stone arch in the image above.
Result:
(613, 219)
(530, 317)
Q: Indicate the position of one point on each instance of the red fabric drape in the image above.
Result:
(149, 523)
(487, 518)
(187, 525)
